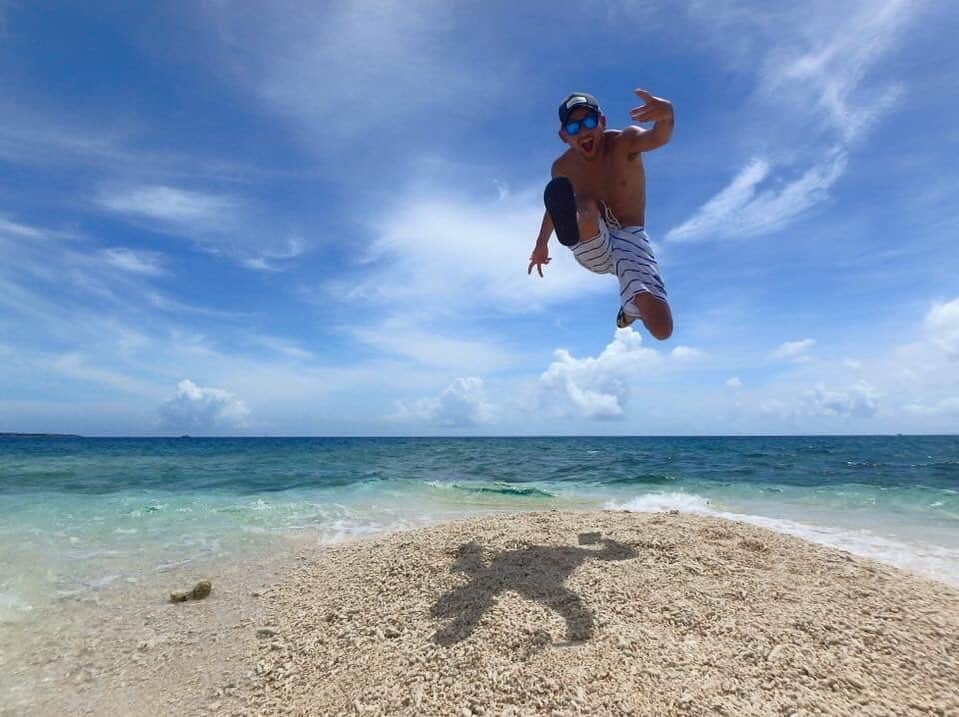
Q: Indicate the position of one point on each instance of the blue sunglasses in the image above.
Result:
(588, 122)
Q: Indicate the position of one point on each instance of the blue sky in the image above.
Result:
(297, 218)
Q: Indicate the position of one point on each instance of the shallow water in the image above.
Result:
(78, 516)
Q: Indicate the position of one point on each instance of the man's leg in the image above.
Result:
(575, 218)
(655, 314)
(587, 218)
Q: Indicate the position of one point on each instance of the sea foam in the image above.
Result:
(935, 561)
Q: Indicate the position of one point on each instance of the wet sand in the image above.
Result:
(553, 613)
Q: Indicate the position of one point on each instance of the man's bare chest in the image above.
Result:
(609, 178)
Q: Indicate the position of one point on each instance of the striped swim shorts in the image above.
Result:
(626, 253)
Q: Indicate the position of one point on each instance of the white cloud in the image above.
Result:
(20, 230)
(597, 388)
(406, 61)
(197, 409)
(272, 259)
(756, 203)
(685, 353)
(860, 400)
(447, 254)
(282, 346)
(136, 262)
(186, 210)
(821, 73)
(942, 324)
(463, 403)
(812, 90)
(795, 350)
(852, 363)
(733, 382)
(807, 408)
(944, 407)
(77, 366)
(415, 338)
(218, 223)
(41, 267)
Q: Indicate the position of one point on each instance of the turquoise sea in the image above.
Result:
(80, 515)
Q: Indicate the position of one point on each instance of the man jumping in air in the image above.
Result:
(596, 203)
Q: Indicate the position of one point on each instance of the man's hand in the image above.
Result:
(539, 258)
(656, 109)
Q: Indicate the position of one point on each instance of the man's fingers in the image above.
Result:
(643, 93)
(538, 264)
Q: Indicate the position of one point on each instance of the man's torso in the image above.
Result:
(615, 177)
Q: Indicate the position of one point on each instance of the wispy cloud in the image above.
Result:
(812, 91)
(184, 210)
(41, 262)
(337, 70)
(444, 253)
(795, 350)
(752, 206)
(77, 366)
(136, 262)
(220, 224)
(408, 336)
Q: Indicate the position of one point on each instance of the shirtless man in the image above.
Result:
(596, 203)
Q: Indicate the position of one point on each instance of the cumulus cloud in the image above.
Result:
(597, 387)
(195, 408)
(795, 350)
(860, 400)
(942, 324)
(462, 403)
(944, 407)
(733, 382)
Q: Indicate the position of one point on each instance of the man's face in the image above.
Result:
(586, 141)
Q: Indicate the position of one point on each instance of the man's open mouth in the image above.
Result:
(587, 145)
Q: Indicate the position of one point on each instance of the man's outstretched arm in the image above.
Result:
(540, 255)
(655, 110)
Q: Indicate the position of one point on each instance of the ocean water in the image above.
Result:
(79, 516)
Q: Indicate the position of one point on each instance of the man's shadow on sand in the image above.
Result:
(535, 572)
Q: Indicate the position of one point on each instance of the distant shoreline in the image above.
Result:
(39, 435)
(654, 436)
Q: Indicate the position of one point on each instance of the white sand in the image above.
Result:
(536, 613)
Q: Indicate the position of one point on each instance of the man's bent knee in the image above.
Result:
(661, 331)
(656, 315)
